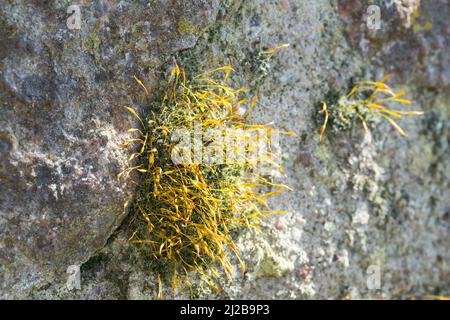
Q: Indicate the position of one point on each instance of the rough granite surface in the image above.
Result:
(360, 201)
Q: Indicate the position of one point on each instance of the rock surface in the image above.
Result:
(62, 118)
(362, 204)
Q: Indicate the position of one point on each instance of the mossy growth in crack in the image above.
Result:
(259, 64)
(204, 173)
(368, 102)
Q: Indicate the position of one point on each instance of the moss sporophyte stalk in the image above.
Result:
(202, 168)
(368, 102)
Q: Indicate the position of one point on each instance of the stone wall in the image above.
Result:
(360, 202)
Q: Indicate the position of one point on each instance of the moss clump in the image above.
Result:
(368, 102)
(188, 205)
(185, 27)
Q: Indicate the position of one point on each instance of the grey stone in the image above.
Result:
(359, 201)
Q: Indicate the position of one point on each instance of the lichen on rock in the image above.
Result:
(360, 201)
